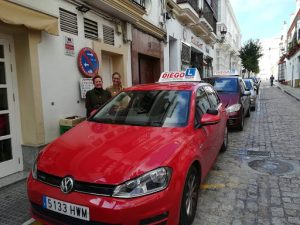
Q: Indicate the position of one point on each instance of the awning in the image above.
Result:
(14, 14)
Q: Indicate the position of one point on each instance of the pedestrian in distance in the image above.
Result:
(117, 84)
(96, 97)
(271, 80)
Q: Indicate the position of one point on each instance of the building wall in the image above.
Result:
(268, 63)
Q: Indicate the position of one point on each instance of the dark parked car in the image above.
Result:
(233, 93)
(256, 83)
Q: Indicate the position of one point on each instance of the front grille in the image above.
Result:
(79, 186)
(158, 220)
(60, 219)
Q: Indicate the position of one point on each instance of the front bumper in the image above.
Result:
(155, 209)
(234, 119)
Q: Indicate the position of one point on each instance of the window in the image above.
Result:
(108, 35)
(224, 84)
(90, 29)
(212, 96)
(202, 104)
(68, 21)
(159, 108)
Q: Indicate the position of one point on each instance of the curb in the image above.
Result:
(289, 93)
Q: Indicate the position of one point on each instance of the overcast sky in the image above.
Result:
(259, 19)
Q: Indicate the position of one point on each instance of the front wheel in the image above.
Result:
(225, 141)
(189, 197)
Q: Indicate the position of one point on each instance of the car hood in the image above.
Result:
(110, 154)
(228, 98)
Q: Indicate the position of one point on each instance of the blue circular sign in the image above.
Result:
(88, 62)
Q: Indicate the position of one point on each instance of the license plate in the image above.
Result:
(66, 208)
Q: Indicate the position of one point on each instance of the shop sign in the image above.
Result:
(69, 46)
(86, 84)
(88, 62)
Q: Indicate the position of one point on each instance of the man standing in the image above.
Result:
(271, 79)
(117, 84)
(96, 97)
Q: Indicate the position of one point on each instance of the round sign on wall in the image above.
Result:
(88, 62)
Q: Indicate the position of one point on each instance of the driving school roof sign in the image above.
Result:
(88, 62)
(227, 72)
(191, 74)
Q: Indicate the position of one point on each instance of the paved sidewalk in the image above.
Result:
(294, 92)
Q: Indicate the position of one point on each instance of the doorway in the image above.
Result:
(149, 69)
(10, 146)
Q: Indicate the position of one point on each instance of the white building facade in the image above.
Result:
(40, 45)
(40, 77)
(227, 49)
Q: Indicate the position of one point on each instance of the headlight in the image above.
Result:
(233, 108)
(151, 182)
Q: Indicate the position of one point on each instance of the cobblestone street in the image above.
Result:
(14, 205)
(236, 194)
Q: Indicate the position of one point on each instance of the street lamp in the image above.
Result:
(223, 34)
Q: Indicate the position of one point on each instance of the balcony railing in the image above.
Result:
(193, 3)
(140, 3)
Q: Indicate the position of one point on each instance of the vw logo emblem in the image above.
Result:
(66, 185)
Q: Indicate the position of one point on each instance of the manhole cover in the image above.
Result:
(258, 153)
(271, 166)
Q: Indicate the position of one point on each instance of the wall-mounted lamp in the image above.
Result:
(223, 34)
(83, 8)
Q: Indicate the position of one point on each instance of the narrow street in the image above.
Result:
(236, 194)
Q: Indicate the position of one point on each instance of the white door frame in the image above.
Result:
(16, 163)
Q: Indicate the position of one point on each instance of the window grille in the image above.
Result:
(108, 35)
(90, 29)
(68, 21)
(185, 53)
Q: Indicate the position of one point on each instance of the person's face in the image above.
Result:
(116, 79)
(98, 83)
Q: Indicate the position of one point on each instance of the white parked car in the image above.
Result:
(252, 88)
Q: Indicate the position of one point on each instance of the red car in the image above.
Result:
(138, 160)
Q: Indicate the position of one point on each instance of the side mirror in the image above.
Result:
(247, 93)
(209, 119)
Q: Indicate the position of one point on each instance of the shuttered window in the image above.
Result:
(68, 21)
(90, 29)
(185, 53)
(108, 35)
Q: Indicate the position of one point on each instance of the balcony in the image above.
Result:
(193, 3)
(188, 11)
(209, 15)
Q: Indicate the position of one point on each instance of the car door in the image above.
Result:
(204, 137)
(245, 101)
(218, 128)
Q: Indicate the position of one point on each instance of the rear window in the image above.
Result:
(225, 84)
(248, 84)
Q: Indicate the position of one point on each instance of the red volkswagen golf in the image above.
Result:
(138, 160)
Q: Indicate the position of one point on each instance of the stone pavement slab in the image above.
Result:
(14, 204)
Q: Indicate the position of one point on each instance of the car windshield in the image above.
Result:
(225, 84)
(159, 108)
(248, 84)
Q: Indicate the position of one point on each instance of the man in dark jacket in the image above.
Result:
(96, 97)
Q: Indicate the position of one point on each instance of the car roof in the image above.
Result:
(225, 76)
(167, 86)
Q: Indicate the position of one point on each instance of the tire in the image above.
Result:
(241, 125)
(248, 112)
(189, 197)
(225, 141)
